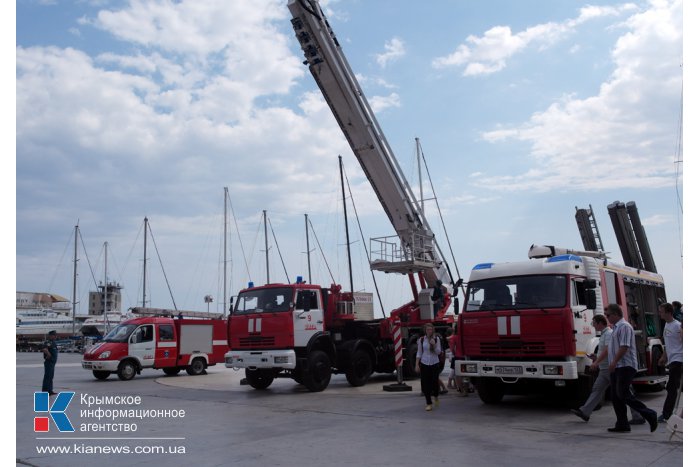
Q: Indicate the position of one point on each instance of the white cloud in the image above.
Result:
(380, 103)
(394, 49)
(489, 53)
(626, 135)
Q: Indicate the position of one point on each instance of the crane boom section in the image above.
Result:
(344, 96)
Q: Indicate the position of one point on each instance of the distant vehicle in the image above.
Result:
(160, 343)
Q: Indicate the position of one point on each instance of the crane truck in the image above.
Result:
(526, 326)
(307, 332)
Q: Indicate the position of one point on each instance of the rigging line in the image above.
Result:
(131, 251)
(119, 278)
(274, 237)
(255, 241)
(364, 244)
(321, 250)
(155, 247)
(60, 261)
(240, 242)
(92, 273)
(442, 220)
(679, 162)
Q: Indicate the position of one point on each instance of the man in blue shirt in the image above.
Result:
(50, 357)
(622, 358)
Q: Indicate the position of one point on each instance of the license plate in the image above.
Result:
(509, 370)
(87, 366)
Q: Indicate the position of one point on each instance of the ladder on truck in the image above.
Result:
(588, 228)
(413, 248)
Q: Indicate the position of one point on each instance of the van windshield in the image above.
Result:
(264, 300)
(120, 334)
(520, 292)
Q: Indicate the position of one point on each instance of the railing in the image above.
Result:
(392, 251)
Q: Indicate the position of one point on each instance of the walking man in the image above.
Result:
(622, 360)
(672, 358)
(602, 381)
(50, 356)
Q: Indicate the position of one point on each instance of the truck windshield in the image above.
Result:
(507, 293)
(264, 300)
(120, 334)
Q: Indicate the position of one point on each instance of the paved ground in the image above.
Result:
(228, 424)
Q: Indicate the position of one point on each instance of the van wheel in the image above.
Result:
(101, 375)
(259, 379)
(197, 367)
(126, 370)
(172, 371)
(318, 371)
(360, 368)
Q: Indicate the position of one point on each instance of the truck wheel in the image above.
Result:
(577, 391)
(409, 367)
(172, 371)
(197, 367)
(259, 379)
(126, 370)
(360, 368)
(101, 375)
(318, 371)
(490, 390)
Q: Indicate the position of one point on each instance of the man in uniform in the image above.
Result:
(50, 356)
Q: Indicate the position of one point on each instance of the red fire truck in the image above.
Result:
(527, 324)
(307, 332)
(170, 344)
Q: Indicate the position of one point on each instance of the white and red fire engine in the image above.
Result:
(170, 344)
(528, 324)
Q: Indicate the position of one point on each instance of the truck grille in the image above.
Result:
(512, 348)
(257, 341)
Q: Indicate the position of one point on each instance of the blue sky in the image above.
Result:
(524, 110)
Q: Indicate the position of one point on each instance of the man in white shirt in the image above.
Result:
(672, 358)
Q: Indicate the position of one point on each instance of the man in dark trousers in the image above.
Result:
(50, 356)
(672, 358)
(622, 355)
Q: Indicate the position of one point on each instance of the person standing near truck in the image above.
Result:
(50, 357)
(672, 358)
(428, 365)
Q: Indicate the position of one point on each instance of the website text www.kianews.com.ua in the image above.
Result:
(82, 448)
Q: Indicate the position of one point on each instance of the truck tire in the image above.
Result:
(360, 368)
(126, 370)
(101, 375)
(577, 391)
(490, 390)
(318, 371)
(172, 371)
(197, 367)
(409, 368)
(259, 379)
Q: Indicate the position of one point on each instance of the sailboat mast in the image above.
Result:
(145, 229)
(267, 249)
(345, 214)
(308, 250)
(75, 274)
(420, 176)
(105, 293)
(225, 238)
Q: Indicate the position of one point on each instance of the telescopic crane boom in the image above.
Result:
(417, 250)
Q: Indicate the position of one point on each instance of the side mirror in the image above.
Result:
(591, 299)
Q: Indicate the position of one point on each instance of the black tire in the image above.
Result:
(490, 390)
(318, 371)
(172, 371)
(259, 379)
(197, 367)
(360, 368)
(101, 375)
(126, 370)
(409, 367)
(577, 391)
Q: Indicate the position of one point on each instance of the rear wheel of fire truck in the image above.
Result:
(101, 375)
(259, 379)
(126, 370)
(318, 371)
(197, 367)
(172, 371)
(409, 365)
(360, 368)
(490, 390)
